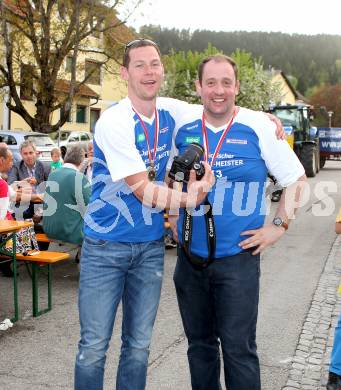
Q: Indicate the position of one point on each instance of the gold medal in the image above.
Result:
(151, 171)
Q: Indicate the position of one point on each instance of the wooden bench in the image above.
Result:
(42, 237)
(37, 260)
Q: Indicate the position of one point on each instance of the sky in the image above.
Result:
(287, 16)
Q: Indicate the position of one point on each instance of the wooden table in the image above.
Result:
(7, 232)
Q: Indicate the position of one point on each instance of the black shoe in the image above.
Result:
(6, 270)
(334, 381)
(170, 243)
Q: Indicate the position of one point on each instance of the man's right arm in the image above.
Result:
(161, 196)
(13, 175)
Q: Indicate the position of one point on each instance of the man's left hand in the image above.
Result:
(31, 180)
(261, 238)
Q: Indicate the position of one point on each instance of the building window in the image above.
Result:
(93, 72)
(69, 118)
(26, 82)
(94, 115)
(68, 64)
(81, 114)
(96, 28)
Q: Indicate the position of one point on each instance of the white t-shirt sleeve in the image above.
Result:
(174, 152)
(279, 158)
(182, 113)
(115, 136)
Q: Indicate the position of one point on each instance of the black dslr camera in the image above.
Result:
(182, 165)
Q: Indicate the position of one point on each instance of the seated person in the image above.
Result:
(6, 162)
(65, 199)
(86, 166)
(57, 161)
(27, 171)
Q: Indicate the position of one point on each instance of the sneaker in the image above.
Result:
(334, 381)
(170, 243)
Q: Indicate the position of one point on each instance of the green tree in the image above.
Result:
(256, 90)
(181, 72)
(38, 36)
(293, 54)
(327, 98)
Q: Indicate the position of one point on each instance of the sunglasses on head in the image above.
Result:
(136, 42)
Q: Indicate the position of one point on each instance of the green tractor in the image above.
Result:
(300, 135)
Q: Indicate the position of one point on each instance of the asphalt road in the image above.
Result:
(38, 353)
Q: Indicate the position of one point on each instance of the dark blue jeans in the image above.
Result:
(111, 272)
(220, 304)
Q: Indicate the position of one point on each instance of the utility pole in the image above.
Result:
(330, 114)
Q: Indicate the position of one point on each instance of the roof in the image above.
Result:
(84, 90)
(292, 89)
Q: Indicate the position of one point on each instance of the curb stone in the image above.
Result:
(310, 363)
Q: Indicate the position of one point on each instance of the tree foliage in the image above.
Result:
(327, 98)
(256, 90)
(37, 37)
(312, 60)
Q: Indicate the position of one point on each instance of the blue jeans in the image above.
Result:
(335, 363)
(111, 272)
(220, 303)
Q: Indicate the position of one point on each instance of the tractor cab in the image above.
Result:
(300, 135)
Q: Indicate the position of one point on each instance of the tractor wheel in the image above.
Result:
(317, 156)
(308, 159)
(322, 162)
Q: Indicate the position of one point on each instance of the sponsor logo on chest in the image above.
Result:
(190, 140)
(141, 138)
(236, 141)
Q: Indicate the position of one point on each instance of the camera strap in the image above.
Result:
(211, 237)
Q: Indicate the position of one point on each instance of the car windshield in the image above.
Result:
(64, 135)
(40, 140)
(287, 117)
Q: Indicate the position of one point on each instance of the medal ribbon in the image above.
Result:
(156, 136)
(204, 134)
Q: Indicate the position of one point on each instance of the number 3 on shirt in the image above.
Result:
(218, 174)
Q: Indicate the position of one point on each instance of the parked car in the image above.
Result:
(43, 142)
(66, 138)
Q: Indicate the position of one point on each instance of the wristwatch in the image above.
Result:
(278, 221)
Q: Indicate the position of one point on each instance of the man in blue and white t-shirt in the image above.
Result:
(123, 249)
(217, 272)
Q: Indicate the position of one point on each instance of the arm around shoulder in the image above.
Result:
(13, 174)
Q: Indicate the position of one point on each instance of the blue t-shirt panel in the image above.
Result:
(114, 213)
(238, 195)
(166, 127)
